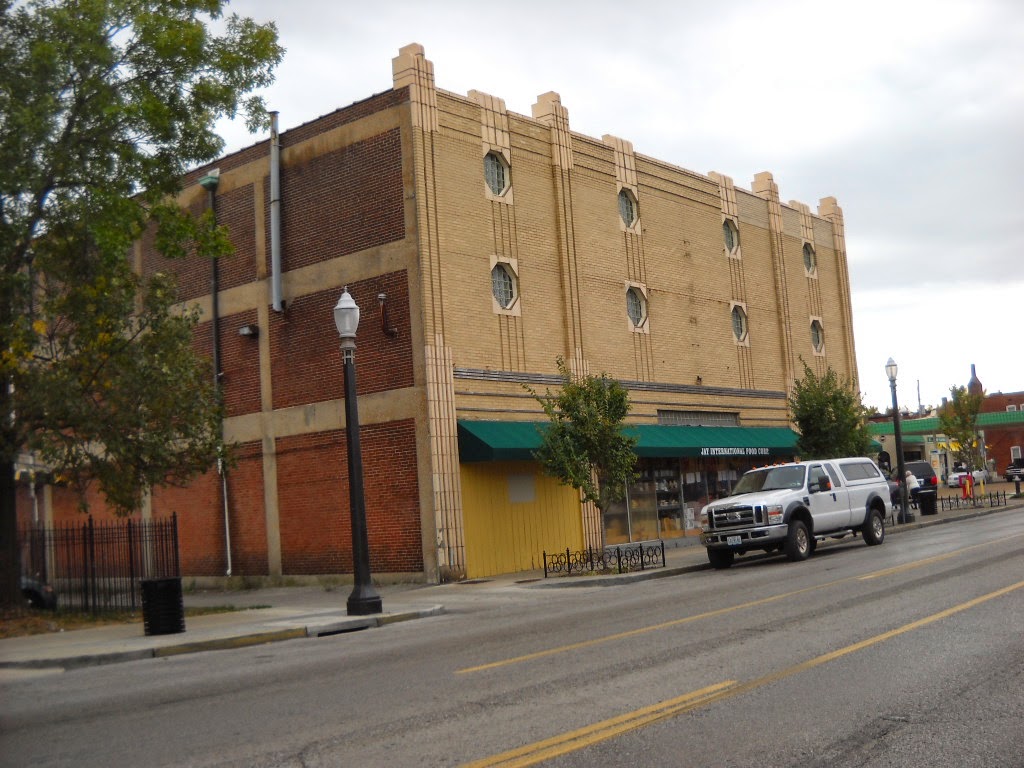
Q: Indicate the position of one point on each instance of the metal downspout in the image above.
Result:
(275, 215)
(210, 183)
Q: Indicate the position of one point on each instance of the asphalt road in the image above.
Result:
(909, 654)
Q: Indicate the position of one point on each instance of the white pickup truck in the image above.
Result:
(790, 507)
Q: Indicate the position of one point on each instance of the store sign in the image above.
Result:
(735, 451)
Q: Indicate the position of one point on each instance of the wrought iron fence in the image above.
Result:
(99, 567)
(997, 499)
(621, 559)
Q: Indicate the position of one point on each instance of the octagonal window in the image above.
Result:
(817, 336)
(496, 172)
(732, 236)
(739, 323)
(628, 209)
(503, 285)
(636, 306)
(810, 259)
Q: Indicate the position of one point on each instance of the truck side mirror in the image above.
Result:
(824, 484)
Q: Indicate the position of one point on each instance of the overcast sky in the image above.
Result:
(910, 113)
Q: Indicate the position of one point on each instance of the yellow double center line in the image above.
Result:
(570, 741)
(717, 612)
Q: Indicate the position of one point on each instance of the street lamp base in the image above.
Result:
(364, 601)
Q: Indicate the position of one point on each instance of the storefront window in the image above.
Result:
(666, 500)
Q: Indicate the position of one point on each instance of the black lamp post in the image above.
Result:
(364, 599)
(904, 515)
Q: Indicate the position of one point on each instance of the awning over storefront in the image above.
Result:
(517, 440)
(659, 440)
(498, 440)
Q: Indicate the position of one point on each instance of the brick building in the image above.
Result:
(481, 244)
(1000, 427)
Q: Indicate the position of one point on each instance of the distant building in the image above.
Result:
(1004, 431)
(481, 244)
(1000, 424)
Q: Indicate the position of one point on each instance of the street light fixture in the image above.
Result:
(905, 515)
(364, 599)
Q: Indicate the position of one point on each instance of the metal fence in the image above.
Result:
(99, 567)
(978, 500)
(621, 559)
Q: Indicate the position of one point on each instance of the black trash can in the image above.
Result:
(927, 502)
(163, 608)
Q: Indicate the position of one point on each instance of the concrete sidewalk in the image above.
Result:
(285, 613)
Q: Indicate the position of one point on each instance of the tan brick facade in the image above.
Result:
(387, 196)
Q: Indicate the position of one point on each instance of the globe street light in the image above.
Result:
(904, 513)
(364, 599)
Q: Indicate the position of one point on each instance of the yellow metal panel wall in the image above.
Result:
(506, 535)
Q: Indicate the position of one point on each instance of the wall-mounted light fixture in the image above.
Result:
(249, 331)
(699, 381)
(385, 325)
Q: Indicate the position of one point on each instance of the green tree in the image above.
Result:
(584, 446)
(958, 420)
(104, 104)
(830, 416)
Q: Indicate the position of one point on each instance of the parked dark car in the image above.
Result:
(38, 594)
(929, 484)
(1014, 471)
(925, 475)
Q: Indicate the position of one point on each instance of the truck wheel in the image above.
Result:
(798, 541)
(874, 528)
(720, 559)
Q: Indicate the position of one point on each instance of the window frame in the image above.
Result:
(510, 267)
(629, 196)
(740, 308)
(639, 292)
(810, 257)
(504, 194)
(731, 229)
(819, 348)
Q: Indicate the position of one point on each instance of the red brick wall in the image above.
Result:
(999, 401)
(304, 346)
(999, 440)
(240, 362)
(192, 274)
(200, 523)
(246, 511)
(200, 509)
(66, 507)
(261, 150)
(341, 202)
(236, 212)
(316, 534)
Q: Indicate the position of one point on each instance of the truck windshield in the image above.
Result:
(770, 479)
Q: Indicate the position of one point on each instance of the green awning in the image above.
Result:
(662, 440)
(517, 440)
(498, 440)
(930, 425)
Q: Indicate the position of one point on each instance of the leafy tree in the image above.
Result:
(104, 104)
(829, 415)
(584, 445)
(958, 420)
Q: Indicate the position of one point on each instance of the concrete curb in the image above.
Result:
(353, 624)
